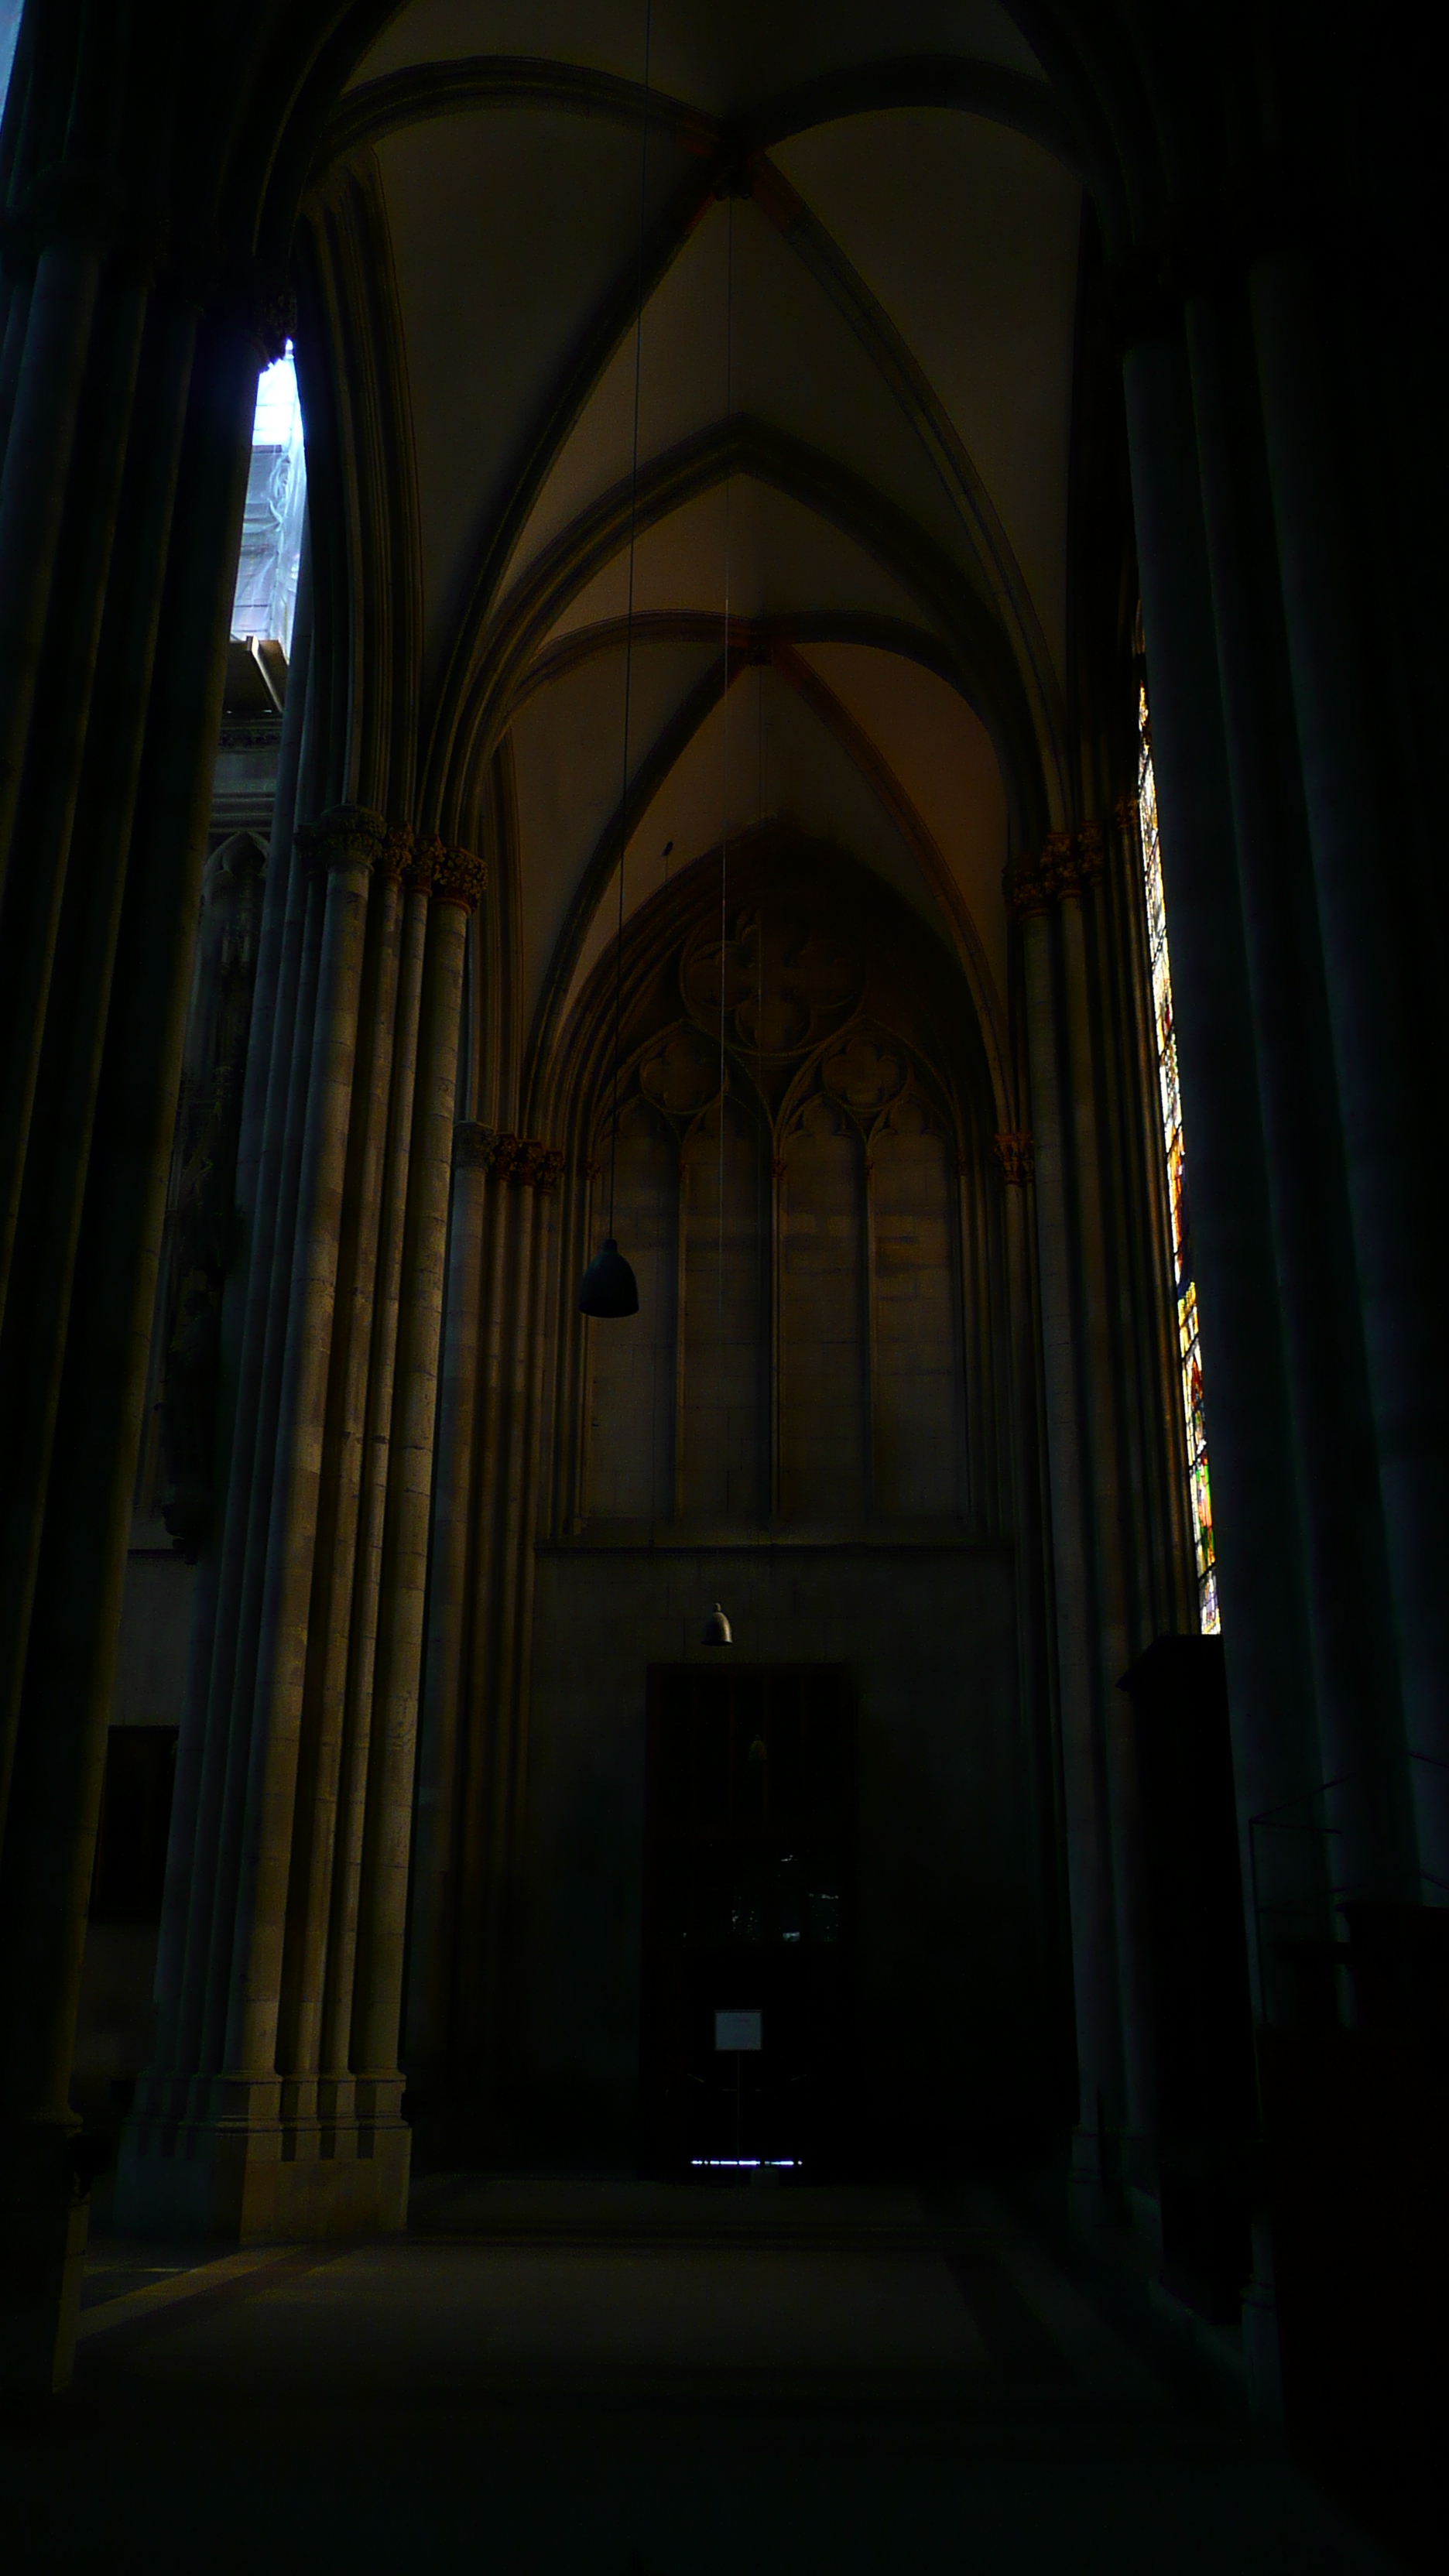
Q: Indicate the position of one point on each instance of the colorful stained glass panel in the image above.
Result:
(1189, 1339)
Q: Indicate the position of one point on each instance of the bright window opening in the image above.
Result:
(1189, 1340)
(271, 547)
(11, 12)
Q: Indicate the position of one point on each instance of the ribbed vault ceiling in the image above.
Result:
(855, 413)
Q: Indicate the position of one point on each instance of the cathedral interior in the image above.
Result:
(724, 1655)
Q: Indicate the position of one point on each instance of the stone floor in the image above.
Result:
(620, 2379)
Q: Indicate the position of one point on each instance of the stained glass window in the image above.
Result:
(1189, 1339)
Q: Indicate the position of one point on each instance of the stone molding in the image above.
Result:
(421, 861)
(520, 1159)
(1090, 856)
(349, 836)
(527, 1162)
(440, 869)
(353, 836)
(475, 1148)
(397, 851)
(545, 1169)
(1068, 866)
(271, 320)
(1016, 1153)
(460, 877)
(1127, 816)
(69, 206)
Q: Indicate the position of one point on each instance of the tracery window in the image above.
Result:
(1189, 1339)
(792, 1199)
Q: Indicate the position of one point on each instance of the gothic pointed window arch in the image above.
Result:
(1189, 1335)
(808, 1206)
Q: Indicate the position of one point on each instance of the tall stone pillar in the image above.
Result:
(277, 2108)
(204, 1855)
(475, 1151)
(336, 2089)
(382, 1896)
(1260, 1545)
(1085, 1794)
(43, 800)
(468, 1969)
(1075, 873)
(1355, 1662)
(327, 1747)
(1030, 1516)
(347, 844)
(57, 317)
(45, 1864)
(1387, 1092)
(81, 863)
(473, 1748)
(243, 1315)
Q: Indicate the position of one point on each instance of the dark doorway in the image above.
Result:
(748, 2044)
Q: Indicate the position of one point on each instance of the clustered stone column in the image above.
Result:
(474, 1750)
(178, 1448)
(127, 391)
(1310, 1299)
(274, 2103)
(1115, 1459)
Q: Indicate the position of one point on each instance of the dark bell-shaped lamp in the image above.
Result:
(716, 1631)
(609, 1286)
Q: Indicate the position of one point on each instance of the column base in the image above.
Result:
(44, 2211)
(255, 2183)
(1262, 2360)
(1094, 2180)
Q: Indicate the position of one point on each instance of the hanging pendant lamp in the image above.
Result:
(716, 1630)
(608, 1287)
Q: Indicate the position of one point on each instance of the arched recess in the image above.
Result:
(845, 1108)
(772, 643)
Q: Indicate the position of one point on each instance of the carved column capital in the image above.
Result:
(525, 1161)
(1016, 1154)
(1027, 887)
(420, 861)
(349, 836)
(1070, 863)
(541, 1166)
(396, 853)
(475, 1148)
(1090, 856)
(459, 877)
(438, 868)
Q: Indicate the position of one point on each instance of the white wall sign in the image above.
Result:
(738, 2030)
